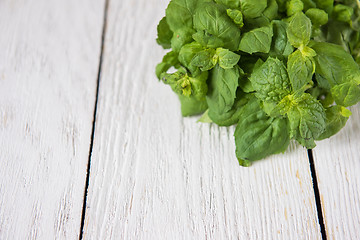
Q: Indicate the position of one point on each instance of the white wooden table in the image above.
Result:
(92, 146)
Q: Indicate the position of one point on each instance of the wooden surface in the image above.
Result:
(153, 174)
(49, 55)
(337, 163)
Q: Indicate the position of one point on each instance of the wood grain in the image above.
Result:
(49, 56)
(337, 164)
(156, 175)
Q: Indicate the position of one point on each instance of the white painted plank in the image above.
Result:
(49, 56)
(337, 162)
(156, 175)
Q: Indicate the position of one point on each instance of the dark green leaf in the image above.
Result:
(253, 8)
(213, 19)
(164, 34)
(280, 44)
(336, 118)
(169, 60)
(187, 53)
(181, 37)
(191, 106)
(266, 135)
(222, 88)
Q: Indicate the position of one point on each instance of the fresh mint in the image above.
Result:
(279, 70)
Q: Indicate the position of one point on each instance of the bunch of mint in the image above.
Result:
(278, 69)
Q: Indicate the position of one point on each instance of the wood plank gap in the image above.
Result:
(94, 120)
(317, 194)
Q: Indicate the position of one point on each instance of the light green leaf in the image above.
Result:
(317, 16)
(300, 69)
(222, 88)
(257, 40)
(205, 59)
(346, 94)
(294, 6)
(299, 30)
(182, 84)
(271, 81)
(227, 59)
(236, 16)
(266, 135)
(205, 117)
(307, 120)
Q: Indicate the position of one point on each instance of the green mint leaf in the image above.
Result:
(346, 94)
(222, 88)
(191, 106)
(317, 16)
(236, 16)
(308, 4)
(299, 30)
(227, 59)
(300, 69)
(205, 117)
(164, 34)
(271, 11)
(343, 13)
(187, 53)
(232, 116)
(205, 59)
(179, 14)
(182, 84)
(181, 37)
(257, 40)
(280, 44)
(208, 40)
(213, 19)
(336, 65)
(266, 135)
(169, 60)
(307, 120)
(253, 8)
(326, 5)
(336, 118)
(229, 3)
(294, 6)
(271, 81)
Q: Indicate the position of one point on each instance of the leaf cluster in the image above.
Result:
(279, 70)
